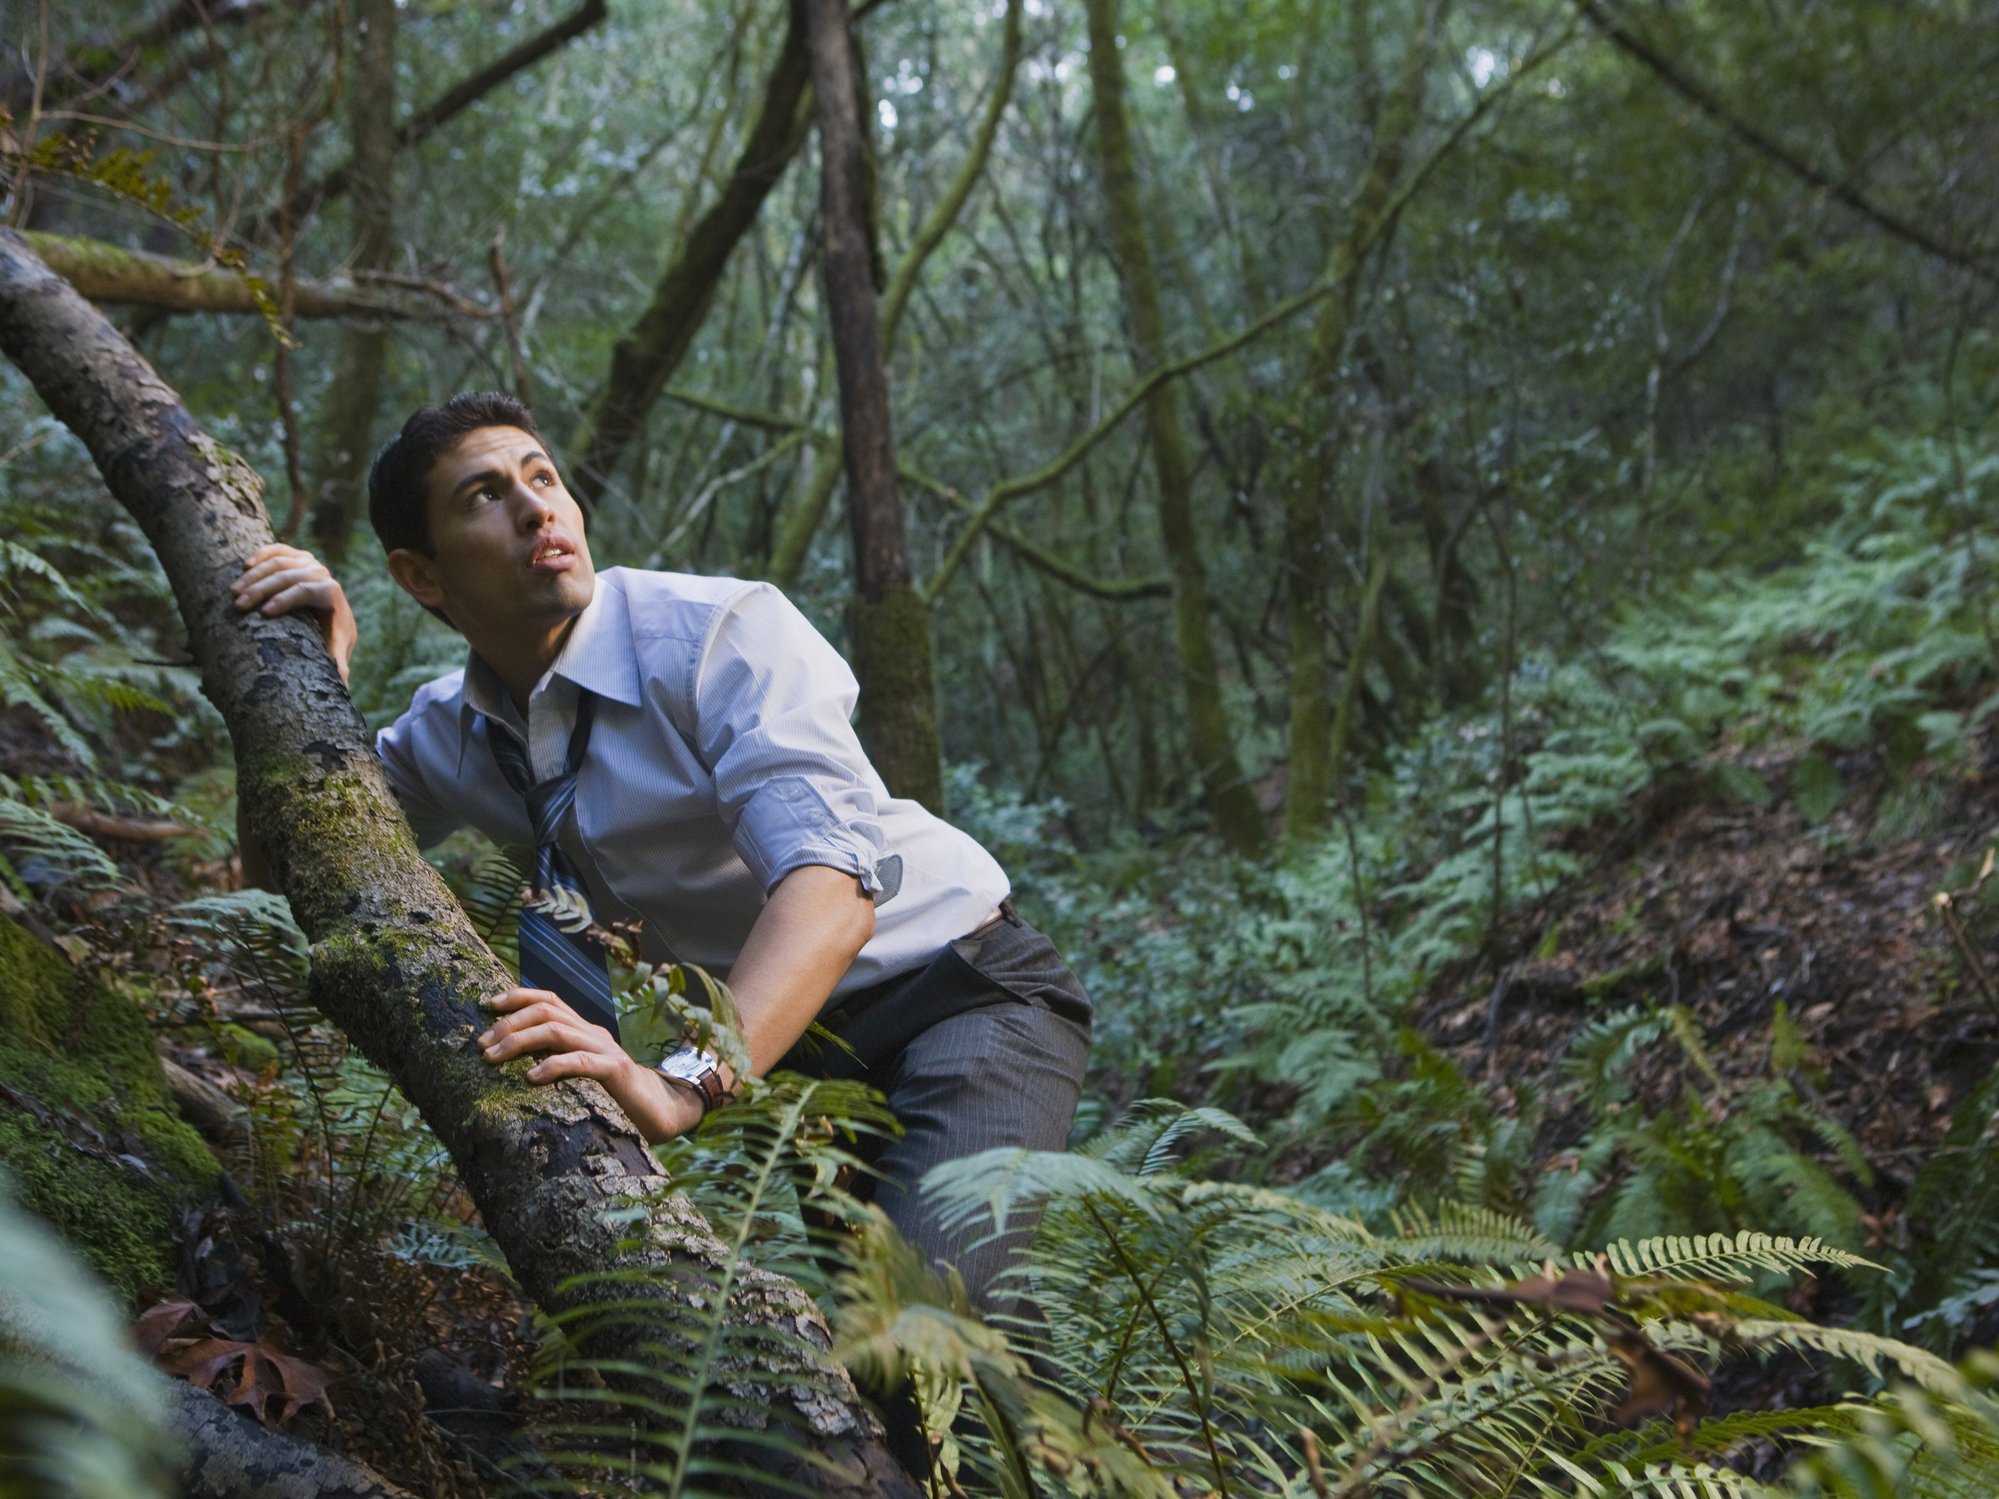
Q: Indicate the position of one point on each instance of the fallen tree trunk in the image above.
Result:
(554, 1171)
(229, 1456)
(112, 274)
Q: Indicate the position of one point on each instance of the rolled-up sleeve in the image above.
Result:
(772, 708)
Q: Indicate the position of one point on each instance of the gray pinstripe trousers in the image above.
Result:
(1005, 1074)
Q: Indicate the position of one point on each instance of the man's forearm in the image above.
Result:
(810, 931)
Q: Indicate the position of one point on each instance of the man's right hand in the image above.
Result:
(278, 579)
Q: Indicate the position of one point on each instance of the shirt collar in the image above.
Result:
(597, 657)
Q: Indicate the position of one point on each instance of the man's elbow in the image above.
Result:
(861, 923)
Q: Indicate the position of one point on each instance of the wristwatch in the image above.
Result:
(700, 1070)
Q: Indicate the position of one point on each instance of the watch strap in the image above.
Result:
(699, 1070)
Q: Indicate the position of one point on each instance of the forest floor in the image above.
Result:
(1731, 909)
(1727, 908)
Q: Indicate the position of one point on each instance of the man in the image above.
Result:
(685, 744)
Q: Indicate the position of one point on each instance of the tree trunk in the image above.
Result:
(644, 359)
(395, 964)
(801, 522)
(229, 1456)
(889, 626)
(1230, 802)
(362, 353)
(1308, 494)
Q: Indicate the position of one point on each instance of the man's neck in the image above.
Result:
(521, 663)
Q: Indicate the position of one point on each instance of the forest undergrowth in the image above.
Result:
(1605, 1107)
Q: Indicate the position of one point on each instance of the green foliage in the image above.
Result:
(1721, 1157)
(341, 1164)
(81, 1415)
(1216, 1323)
(88, 1131)
(767, 1176)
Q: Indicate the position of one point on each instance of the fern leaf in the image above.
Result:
(1722, 1256)
(67, 857)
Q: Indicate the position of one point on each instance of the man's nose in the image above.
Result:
(531, 507)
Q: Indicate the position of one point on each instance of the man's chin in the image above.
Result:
(565, 594)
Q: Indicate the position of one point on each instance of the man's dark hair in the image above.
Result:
(399, 483)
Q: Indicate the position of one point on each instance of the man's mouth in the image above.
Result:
(552, 556)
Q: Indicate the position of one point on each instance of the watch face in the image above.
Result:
(688, 1066)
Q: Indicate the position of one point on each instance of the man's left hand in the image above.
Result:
(535, 1020)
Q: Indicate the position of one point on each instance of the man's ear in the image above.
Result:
(416, 574)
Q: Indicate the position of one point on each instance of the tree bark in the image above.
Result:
(95, 65)
(113, 274)
(229, 1456)
(645, 358)
(801, 523)
(395, 964)
(361, 354)
(888, 625)
(1230, 801)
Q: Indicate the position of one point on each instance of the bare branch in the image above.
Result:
(1710, 104)
(112, 274)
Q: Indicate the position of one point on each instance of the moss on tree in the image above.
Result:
(88, 1131)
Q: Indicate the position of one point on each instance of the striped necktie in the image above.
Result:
(568, 963)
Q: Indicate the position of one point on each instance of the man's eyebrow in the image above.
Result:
(484, 476)
(487, 475)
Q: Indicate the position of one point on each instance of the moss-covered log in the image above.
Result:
(226, 1455)
(88, 1133)
(553, 1170)
(114, 275)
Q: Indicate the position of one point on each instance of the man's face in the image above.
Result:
(508, 562)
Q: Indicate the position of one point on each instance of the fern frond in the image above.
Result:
(994, 1185)
(18, 562)
(1699, 1481)
(66, 856)
(762, 1174)
(1466, 1234)
(254, 928)
(1723, 1257)
(1871, 1351)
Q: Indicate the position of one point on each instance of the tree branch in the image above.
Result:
(648, 353)
(95, 65)
(1710, 104)
(112, 274)
(1113, 590)
(453, 102)
(1025, 484)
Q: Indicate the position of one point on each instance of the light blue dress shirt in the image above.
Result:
(722, 758)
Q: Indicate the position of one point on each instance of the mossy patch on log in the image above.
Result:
(88, 1132)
